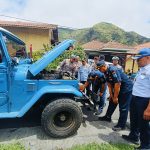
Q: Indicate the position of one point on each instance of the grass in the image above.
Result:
(95, 146)
(91, 146)
(12, 146)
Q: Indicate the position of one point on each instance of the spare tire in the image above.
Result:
(61, 118)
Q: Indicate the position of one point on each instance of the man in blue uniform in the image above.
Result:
(140, 103)
(97, 80)
(120, 89)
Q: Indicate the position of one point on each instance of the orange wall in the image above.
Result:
(129, 63)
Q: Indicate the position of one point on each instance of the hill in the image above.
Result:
(103, 32)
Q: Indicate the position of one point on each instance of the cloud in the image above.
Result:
(130, 15)
(12, 7)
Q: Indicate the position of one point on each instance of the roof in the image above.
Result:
(26, 24)
(138, 47)
(116, 45)
(109, 47)
(145, 45)
(93, 45)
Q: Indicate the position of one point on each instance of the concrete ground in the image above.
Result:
(30, 133)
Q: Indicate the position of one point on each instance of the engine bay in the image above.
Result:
(53, 75)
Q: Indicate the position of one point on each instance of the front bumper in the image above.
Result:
(82, 99)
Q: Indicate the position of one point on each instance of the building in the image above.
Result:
(109, 49)
(132, 63)
(35, 34)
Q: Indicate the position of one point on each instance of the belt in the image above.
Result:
(140, 97)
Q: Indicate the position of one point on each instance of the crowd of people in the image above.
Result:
(130, 96)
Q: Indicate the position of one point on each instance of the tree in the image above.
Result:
(78, 51)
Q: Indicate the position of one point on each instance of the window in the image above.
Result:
(14, 49)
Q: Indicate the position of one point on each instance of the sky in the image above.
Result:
(130, 15)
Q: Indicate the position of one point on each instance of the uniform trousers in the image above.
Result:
(138, 126)
(96, 88)
(124, 100)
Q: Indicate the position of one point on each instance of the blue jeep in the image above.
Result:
(25, 86)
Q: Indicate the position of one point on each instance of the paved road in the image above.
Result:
(29, 132)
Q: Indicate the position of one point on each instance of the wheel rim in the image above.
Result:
(63, 120)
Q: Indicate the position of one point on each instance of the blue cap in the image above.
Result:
(142, 53)
(101, 63)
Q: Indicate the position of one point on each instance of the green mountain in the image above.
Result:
(103, 32)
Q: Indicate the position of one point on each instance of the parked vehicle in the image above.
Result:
(25, 85)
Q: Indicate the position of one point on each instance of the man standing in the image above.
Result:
(120, 90)
(115, 61)
(83, 72)
(140, 104)
(69, 65)
(96, 60)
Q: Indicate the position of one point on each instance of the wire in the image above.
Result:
(19, 18)
(60, 26)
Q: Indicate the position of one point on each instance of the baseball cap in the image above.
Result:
(115, 58)
(142, 53)
(100, 63)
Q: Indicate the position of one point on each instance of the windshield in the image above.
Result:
(14, 48)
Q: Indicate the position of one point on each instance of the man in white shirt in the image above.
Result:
(140, 104)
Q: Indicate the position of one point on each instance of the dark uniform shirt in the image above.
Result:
(113, 75)
(96, 74)
(98, 79)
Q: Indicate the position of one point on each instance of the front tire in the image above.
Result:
(61, 118)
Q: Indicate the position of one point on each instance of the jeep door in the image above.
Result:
(3, 82)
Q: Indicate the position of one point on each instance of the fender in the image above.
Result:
(48, 89)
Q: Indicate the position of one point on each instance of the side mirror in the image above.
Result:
(15, 60)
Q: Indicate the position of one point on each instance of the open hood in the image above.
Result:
(42, 63)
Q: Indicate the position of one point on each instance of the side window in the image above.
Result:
(14, 49)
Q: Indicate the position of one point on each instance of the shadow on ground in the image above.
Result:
(30, 126)
(93, 120)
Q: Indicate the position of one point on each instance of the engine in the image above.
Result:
(53, 75)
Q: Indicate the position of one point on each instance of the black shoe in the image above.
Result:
(105, 118)
(118, 128)
(130, 139)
